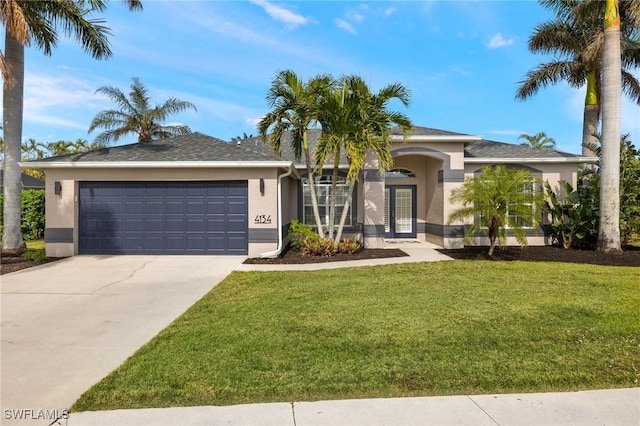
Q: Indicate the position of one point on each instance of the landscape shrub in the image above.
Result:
(349, 246)
(318, 247)
(32, 211)
(574, 219)
(298, 232)
(33, 218)
(35, 255)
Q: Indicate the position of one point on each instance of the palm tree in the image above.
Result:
(33, 150)
(609, 231)
(538, 141)
(359, 122)
(499, 198)
(294, 110)
(575, 37)
(38, 22)
(137, 115)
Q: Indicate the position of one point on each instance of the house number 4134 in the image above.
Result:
(262, 219)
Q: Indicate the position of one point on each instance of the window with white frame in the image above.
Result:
(323, 191)
(525, 196)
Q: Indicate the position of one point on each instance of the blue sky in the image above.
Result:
(461, 61)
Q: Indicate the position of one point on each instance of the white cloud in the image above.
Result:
(499, 41)
(389, 11)
(344, 25)
(354, 16)
(291, 19)
(47, 99)
(253, 122)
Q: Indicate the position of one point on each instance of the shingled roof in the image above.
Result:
(428, 131)
(492, 149)
(197, 147)
(192, 147)
(286, 151)
(28, 182)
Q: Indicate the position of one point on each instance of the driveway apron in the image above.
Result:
(67, 324)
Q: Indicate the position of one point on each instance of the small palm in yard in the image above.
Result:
(137, 115)
(500, 198)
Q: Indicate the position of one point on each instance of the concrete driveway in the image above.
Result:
(67, 324)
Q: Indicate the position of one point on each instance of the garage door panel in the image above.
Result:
(153, 207)
(134, 207)
(134, 224)
(152, 225)
(153, 241)
(216, 225)
(236, 190)
(174, 225)
(216, 207)
(196, 207)
(163, 217)
(236, 226)
(216, 191)
(153, 190)
(134, 242)
(196, 243)
(236, 207)
(196, 225)
(132, 192)
(174, 191)
(174, 207)
(196, 191)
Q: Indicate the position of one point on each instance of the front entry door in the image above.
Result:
(400, 211)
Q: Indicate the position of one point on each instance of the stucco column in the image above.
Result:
(373, 185)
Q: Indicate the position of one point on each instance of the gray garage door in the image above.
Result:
(163, 218)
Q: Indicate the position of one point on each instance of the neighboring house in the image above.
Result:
(196, 194)
(28, 182)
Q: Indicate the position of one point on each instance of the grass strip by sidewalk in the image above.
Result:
(463, 327)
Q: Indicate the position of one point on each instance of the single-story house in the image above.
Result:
(196, 194)
(28, 181)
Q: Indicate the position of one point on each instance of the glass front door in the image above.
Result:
(400, 211)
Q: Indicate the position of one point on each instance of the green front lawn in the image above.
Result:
(462, 327)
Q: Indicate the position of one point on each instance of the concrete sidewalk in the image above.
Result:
(619, 407)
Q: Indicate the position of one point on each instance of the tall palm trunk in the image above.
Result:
(609, 232)
(12, 241)
(334, 194)
(345, 212)
(312, 185)
(591, 116)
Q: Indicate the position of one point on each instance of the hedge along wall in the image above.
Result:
(32, 206)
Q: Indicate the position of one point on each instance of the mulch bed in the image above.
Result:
(292, 257)
(629, 257)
